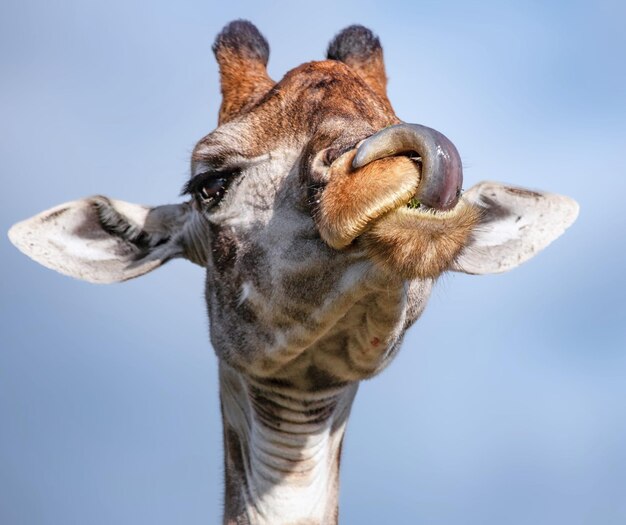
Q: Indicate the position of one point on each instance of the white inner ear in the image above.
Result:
(98, 239)
(517, 224)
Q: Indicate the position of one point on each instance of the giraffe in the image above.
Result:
(323, 222)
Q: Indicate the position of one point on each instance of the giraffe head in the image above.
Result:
(321, 218)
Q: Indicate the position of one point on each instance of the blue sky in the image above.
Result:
(508, 401)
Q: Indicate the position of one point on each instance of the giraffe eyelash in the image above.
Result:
(209, 187)
(195, 184)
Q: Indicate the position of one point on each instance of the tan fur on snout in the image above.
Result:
(420, 244)
(352, 198)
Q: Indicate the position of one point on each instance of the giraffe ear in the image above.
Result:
(101, 240)
(515, 225)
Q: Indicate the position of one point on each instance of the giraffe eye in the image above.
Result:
(209, 187)
(212, 190)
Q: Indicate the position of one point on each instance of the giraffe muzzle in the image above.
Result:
(442, 172)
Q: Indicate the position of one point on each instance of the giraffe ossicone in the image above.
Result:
(321, 236)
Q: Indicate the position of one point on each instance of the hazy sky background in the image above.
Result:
(507, 404)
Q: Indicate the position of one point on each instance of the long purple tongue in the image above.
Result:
(442, 173)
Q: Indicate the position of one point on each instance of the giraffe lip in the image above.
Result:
(346, 227)
(353, 200)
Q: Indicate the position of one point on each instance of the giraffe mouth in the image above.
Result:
(354, 199)
(441, 169)
(379, 207)
(381, 176)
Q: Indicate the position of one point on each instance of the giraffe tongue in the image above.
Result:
(442, 173)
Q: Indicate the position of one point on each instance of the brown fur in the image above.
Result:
(243, 82)
(324, 102)
(372, 70)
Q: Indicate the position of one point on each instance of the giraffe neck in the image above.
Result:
(282, 449)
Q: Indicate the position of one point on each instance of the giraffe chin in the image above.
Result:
(419, 243)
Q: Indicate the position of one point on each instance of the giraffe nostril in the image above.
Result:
(329, 156)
